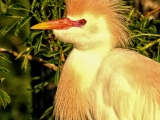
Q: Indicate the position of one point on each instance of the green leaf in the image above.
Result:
(33, 4)
(3, 7)
(32, 35)
(21, 24)
(144, 22)
(17, 6)
(47, 112)
(25, 61)
(152, 29)
(4, 98)
(57, 76)
(68, 48)
(53, 61)
(10, 16)
(3, 69)
(38, 87)
(6, 29)
(1, 80)
(156, 21)
(50, 53)
(4, 57)
(7, 2)
(158, 56)
(37, 16)
(37, 45)
(24, 51)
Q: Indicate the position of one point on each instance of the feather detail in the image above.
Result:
(112, 10)
(131, 86)
(73, 97)
(100, 81)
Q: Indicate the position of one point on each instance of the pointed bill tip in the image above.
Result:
(41, 26)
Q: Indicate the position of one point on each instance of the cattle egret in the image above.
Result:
(100, 80)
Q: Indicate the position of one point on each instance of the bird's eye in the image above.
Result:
(82, 22)
(79, 23)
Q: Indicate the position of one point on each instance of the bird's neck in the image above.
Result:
(73, 91)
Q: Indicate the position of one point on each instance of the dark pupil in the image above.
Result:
(82, 22)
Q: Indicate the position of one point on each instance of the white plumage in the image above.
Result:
(100, 81)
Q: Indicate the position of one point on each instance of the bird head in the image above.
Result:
(90, 24)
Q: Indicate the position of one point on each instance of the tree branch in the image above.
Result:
(152, 12)
(51, 66)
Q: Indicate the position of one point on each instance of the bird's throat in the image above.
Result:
(73, 93)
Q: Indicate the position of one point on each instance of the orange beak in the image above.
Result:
(60, 24)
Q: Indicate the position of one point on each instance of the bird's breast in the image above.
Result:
(74, 92)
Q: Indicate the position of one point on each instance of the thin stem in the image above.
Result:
(150, 44)
(43, 62)
(152, 12)
(145, 34)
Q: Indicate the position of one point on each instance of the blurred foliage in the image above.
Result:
(43, 44)
(16, 82)
(5, 99)
(146, 35)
